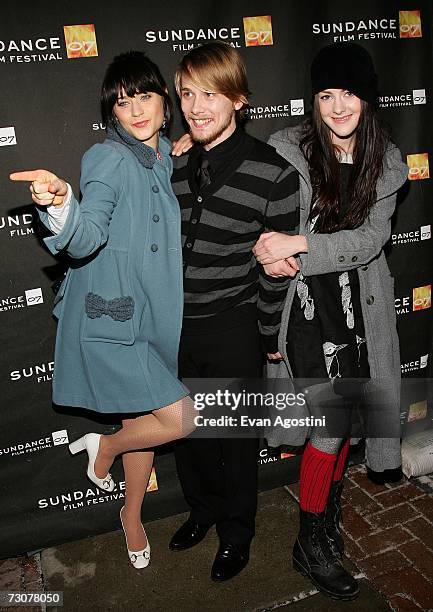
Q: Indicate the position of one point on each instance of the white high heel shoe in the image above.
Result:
(141, 558)
(90, 443)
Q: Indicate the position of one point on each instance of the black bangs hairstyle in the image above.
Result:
(134, 73)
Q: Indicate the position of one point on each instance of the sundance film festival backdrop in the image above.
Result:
(51, 63)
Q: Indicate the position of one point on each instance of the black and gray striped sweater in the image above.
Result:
(256, 190)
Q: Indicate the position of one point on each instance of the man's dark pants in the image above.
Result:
(219, 476)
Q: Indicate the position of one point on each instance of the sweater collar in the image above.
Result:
(225, 150)
(145, 154)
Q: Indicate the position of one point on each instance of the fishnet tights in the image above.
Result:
(146, 431)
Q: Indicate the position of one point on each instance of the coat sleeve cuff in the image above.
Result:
(60, 241)
(270, 343)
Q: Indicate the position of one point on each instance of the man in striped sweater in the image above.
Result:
(231, 187)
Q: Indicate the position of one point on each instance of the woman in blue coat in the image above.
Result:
(119, 308)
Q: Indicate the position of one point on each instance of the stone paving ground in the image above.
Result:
(389, 542)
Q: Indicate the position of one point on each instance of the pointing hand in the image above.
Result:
(46, 188)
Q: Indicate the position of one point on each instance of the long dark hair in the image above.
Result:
(371, 142)
(135, 73)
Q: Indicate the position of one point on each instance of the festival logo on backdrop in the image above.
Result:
(266, 457)
(286, 455)
(258, 31)
(414, 365)
(7, 136)
(18, 449)
(402, 305)
(60, 437)
(423, 233)
(410, 24)
(81, 498)
(92, 496)
(418, 166)
(359, 30)
(27, 50)
(17, 225)
(421, 298)
(34, 296)
(80, 41)
(185, 39)
(417, 411)
(31, 297)
(418, 96)
(42, 372)
(153, 483)
(272, 111)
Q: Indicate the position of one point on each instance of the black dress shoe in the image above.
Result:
(228, 562)
(187, 536)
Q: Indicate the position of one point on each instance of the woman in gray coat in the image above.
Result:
(119, 308)
(339, 319)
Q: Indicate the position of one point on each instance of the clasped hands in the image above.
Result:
(275, 251)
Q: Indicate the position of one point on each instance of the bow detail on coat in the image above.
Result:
(119, 309)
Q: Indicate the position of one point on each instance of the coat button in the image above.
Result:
(370, 300)
(155, 218)
(364, 268)
(199, 199)
(155, 188)
(355, 258)
(154, 248)
(341, 258)
(193, 221)
(188, 245)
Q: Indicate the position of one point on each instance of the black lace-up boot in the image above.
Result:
(333, 518)
(313, 557)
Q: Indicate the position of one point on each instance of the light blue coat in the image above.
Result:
(125, 241)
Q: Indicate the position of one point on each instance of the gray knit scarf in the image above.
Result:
(145, 154)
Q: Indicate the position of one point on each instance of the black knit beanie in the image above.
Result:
(345, 66)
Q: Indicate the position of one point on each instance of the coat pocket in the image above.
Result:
(109, 308)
